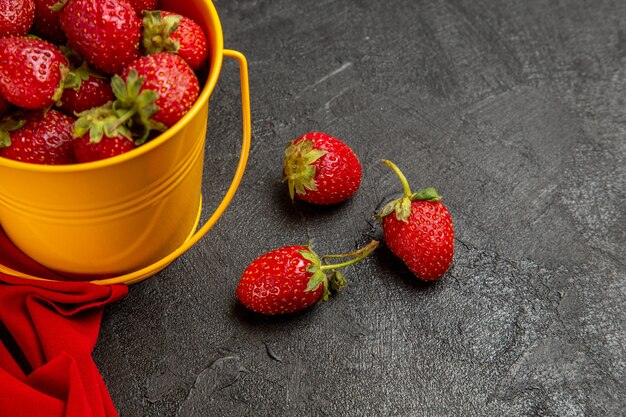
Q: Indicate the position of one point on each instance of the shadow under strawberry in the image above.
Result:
(394, 269)
(257, 321)
(296, 210)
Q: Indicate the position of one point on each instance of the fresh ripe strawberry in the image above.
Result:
(418, 229)
(84, 90)
(31, 71)
(86, 150)
(105, 32)
(321, 169)
(171, 32)
(16, 17)
(42, 137)
(292, 278)
(169, 77)
(46, 24)
(100, 133)
(141, 5)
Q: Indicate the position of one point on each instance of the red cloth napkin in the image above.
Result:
(47, 333)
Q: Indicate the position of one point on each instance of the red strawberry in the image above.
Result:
(87, 150)
(105, 32)
(292, 278)
(31, 71)
(42, 137)
(100, 133)
(418, 229)
(175, 85)
(16, 17)
(321, 169)
(170, 32)
(84, 90)
(46, 24)
(141, 5)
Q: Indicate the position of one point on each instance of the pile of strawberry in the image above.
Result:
(83, 80)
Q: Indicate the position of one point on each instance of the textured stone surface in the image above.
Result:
(515, 111)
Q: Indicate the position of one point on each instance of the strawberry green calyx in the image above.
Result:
(157, 30)
(6, 126)
(318, 277)
(298, 168)
(335, 281)
(102, 121)
(402, 206)
(64, 70)
(130, 98)
(75, 77)
(58, 6)
(128, 93)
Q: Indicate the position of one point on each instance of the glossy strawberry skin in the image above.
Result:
(16, 17)
(93, 92)
(140, 5)
(45, 138)
(275, 282)
(425, 243)
(105, 32)
(86, 151)
(193, 42)
(173, 80)
(31, 71)
(46, 23)
(338, 173)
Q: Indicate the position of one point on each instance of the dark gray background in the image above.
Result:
(514, 110)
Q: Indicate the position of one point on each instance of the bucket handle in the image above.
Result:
(148, 271)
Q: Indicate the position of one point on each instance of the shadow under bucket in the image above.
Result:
(131, 215)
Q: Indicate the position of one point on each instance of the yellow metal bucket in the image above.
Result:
(129, 216)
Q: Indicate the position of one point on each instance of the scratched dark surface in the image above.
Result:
(515, 111)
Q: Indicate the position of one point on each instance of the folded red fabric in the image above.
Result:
(47, 334)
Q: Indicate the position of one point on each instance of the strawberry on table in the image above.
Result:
(102, 133)
(321, 169)
(418, 229)
(16, 17)
(31, 71)
(170, 78)
(165, 31)
(83, 90)
(39, 137)
(292, 278)
(46, 24)
(105, 32)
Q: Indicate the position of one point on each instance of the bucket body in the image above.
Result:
(123, 213)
